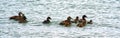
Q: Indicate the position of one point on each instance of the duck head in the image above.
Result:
(83, 17)
(19, 13)
(24, 17)
(69, 18)
(77, 17)
(90, 20)
(48, 18)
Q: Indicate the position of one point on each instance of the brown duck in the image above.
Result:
(76, 20)
(16, 17)
(21, 18)
(83, 21)
(67, 22)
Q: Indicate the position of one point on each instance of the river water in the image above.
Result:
(104, 13)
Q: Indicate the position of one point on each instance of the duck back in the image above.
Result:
(46, 21)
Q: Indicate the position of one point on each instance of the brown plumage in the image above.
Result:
(67, 22)
(83, 21)
(76, 20)
(16, 17)
(21, 18)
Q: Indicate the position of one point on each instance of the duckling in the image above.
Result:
(47, 20)
(66, 22)
(83, 21)
(76, 20)
(16, 17)
(90, 22)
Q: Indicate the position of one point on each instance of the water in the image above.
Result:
(104, 13)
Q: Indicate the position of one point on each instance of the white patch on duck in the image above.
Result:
(22, 19)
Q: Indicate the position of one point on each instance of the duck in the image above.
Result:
(90, 22)
(22, 19)
(76, 20)
(47, 20)
(16, 17)
(67, 22)
(83, 21)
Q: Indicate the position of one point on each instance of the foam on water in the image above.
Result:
(104, 13)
